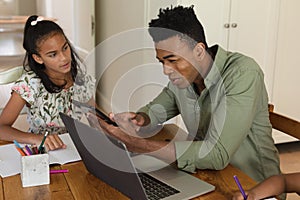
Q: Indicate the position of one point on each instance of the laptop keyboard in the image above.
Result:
(154, 188)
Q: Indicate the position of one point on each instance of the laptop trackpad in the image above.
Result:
(155, 167)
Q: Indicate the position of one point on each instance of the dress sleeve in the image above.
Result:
(91, 81)
(25, 87)
(86, 91)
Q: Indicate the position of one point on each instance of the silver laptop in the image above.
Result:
(136, 177)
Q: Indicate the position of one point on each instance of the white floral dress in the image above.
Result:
(43, 107)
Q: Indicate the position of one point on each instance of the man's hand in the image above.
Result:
(129, 122)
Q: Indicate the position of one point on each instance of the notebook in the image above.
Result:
(108, 159)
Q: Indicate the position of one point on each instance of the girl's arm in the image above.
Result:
(273, 186)
(292, 182)
(7, 133)
(7, 118)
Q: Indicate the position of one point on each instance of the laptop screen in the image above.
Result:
(105, 157)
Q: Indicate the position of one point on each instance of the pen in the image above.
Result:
(240, 187)
(59, 171)
(43, 141)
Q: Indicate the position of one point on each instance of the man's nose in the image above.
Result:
(167, 70)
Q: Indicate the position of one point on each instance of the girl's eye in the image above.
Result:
(66, 47)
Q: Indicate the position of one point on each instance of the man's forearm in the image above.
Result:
(159, 149)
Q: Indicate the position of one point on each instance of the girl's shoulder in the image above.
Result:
(28, 75)
(85, 80)
(28, 78)
(89, 78)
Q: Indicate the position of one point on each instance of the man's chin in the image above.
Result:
(181, 86)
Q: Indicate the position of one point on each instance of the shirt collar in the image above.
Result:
(217, 68)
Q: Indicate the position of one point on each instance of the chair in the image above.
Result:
(283, 123)
(8, 75)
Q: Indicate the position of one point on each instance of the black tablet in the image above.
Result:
(95, 111)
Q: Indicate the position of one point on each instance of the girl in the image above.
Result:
(51, 80)
(275, 185)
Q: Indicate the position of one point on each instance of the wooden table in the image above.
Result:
(79, 184)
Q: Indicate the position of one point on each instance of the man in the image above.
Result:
(220, 95)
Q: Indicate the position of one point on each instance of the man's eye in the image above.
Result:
(172, 61)
(52, 55)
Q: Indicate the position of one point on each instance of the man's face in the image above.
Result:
(178, 61)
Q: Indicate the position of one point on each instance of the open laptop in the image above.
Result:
(108, 159)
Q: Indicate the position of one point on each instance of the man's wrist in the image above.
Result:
(145, 117)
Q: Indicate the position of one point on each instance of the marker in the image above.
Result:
(17, 144)
(28, 150)
(19, 148)
(21, 151)
(43, 141)
(59, 171)
(240, 187)
(35, 150)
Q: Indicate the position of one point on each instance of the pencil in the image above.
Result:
(240, 187)
(43, 141)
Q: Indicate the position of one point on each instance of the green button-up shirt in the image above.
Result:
(229, 119)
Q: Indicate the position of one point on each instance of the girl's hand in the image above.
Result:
(53, 142)
(250, 196)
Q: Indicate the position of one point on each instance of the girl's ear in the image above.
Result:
(37, 58)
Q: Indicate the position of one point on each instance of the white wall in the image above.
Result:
(134, 77)
(63, 11)
(286, 95)
(8, 7)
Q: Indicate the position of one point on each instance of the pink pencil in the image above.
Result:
(59, 171)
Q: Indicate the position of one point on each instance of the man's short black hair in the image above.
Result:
(181, 21)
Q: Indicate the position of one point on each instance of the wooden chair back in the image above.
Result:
(284, 124)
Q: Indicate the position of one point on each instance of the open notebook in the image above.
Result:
(10, 163)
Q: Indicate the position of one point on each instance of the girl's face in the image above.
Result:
(55, 54)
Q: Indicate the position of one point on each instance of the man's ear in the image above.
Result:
(199, 50)
(37, 58)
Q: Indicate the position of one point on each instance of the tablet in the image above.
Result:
(94, 110)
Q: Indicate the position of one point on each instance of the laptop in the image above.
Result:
(108, 159)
